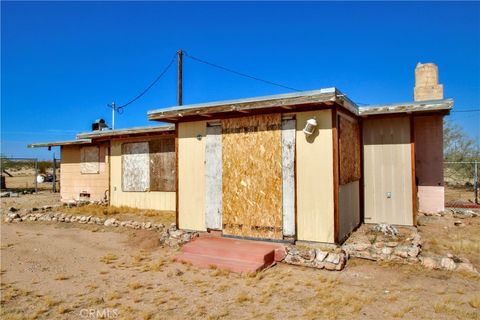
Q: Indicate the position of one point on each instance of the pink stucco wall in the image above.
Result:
(429, 163)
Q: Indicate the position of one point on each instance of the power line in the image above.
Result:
(119, 109)
(239, 73)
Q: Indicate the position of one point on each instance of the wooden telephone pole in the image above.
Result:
(180, 61)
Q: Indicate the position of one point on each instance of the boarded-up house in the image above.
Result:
(309, 166)
(142, 166)
(129, 167)
(248, 169)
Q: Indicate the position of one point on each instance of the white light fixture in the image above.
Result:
(310, 127)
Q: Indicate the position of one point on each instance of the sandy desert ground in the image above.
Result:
(72, 271)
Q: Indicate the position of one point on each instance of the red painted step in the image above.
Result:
(203, 261)
(230, 254)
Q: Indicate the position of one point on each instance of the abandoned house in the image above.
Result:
(130, 167)
(308, 166)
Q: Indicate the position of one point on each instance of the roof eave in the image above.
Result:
(59, 143)
(328, 97)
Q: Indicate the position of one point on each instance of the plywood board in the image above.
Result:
(349, 150)
(213, 178)
(288, 176)
(162, 164)
(135, 166)
(90, 159)
(388, 171)
(252, 176)
(156, 200)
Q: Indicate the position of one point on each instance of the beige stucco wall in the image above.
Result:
(314, 178)
(191, 175)
(73, 182)
(388, 169)
(154, 200)
(348, 208)
(429, 163)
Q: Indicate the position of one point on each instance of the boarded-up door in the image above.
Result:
(388, 171)
(252, 176)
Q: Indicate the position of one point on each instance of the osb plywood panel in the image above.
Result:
(213, 178)
(349, 150)
(90, 159)
(387, 169)
(314, 165)
(288, 176)
(348, 207)
(191, 175)
(155, 200)
(73, 182)
(135, 166)
(162, 164)
(252, 176)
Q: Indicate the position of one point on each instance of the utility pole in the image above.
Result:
(180, 60)
(113, 115)
(54, 180)
(475, 182)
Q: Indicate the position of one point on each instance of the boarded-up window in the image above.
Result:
(162, 165)
(135, 166)
(90, 159)
(349, 150)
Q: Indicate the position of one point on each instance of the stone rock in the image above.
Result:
(392, 244)
(176, 234)
(448, 264)
(332, 258)
(320, 255)
(402, 251)
(308, 255)
(386, 229)
(14, 194)
(466, 267)
(413, 251)
(12, 209)
(330, 266)
(387, 251)
(148, 225)
(459, 223)
(5, 194)
(341, 263)
(13, 215)
(430, 263)
(110, 222)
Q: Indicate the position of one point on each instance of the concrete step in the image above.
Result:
(204, 261)
(232, 249)
(231, 254)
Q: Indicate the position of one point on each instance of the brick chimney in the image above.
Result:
(426, 83)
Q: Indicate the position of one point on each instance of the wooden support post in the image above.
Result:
(180, 77)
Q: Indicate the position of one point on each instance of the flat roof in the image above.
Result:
(59, 143)
(327, 96)
(407, 107)
(128, 131)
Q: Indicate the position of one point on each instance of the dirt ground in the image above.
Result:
(459, 195)
(73, 271)
(28, 201)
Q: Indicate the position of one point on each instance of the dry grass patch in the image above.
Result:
(109, 258)
(123, 213)
(61, 277)
(135, 285)
(243, 297)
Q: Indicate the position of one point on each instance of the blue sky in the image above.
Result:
(62, 62)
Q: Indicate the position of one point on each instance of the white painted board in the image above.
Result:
(213, 178)
(288, 176)
(135, 166)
